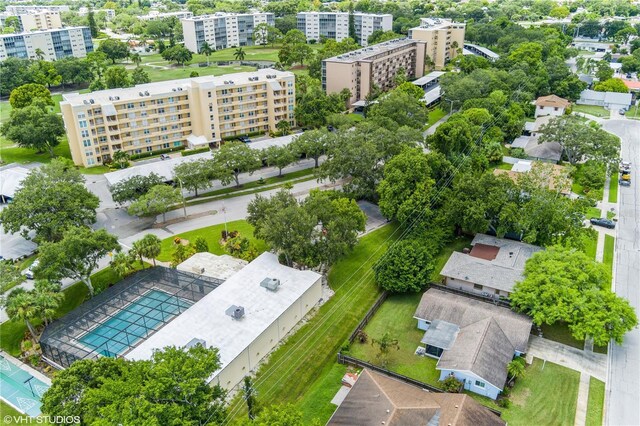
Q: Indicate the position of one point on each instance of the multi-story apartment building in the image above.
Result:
(24, 9)
(155, 15)
(110, 13)
(43, 20)
(376, 65)
(54, 44)
(222, 30)
(335, 25)
(443, 38)
(195, 112)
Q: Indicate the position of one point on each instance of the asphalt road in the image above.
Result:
(623, 385)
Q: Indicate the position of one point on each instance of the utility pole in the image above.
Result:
(184, 203)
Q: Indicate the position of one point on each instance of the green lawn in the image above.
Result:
(213, 235)
(176, 72)
(12, 332)
(504, 166)
(293, 368)
(633, 113)
(595, 110)
(7, 410)
(14, 154)
(593, 212)
(609, 244)
(596, 402)
(316, 403)
(395, 316)
(590, 245)
(435, 115)
(613, 188)
(5, 111)
(456, 245)
(546, 395)
(559, 332)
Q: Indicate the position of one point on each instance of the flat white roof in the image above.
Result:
(428, 78)
(211, 265)
(223, 15)
(207, 320)
(107, 97)
(53, 30)
(366, 53)
(11, 177)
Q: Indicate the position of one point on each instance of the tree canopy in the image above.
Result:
(34, 127)
(25, 95)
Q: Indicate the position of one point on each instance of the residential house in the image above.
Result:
(473, 340)
(530, 143)
(551, 105)
(608, 100)
(376, 399)
(491, 268)
(550, 176)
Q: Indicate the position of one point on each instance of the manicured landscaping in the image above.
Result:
(559, 332)
(594, 110)
(633, 113)
(302, 359)
(596, 402)
(594, 193)
(12, 332)
(7, 410)
(395, 316)
(590, 244)
(435, 115)
(177, 72)
(613, 188)
(213, 235)
(593, 212)
(609, 245)
(546, 395)
(316, 403)
(10, 153)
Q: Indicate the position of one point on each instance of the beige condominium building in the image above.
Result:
(377, 65)
(443, 38)
(195, 113)
(34, 20)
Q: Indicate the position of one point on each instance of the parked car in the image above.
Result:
(29, 272)
(622, 111)
(624, 182)
(604, 222)
(165, 157)
(244, 139)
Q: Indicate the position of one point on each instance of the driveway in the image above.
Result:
(623, 386)
(591, 363)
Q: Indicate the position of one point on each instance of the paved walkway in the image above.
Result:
(583, 400)
(590, 363)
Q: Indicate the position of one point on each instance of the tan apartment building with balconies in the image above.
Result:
(376, 65)
(443, 37)
(193, 113)
(41, 20)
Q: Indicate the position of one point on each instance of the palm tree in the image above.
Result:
(21, 306)
(122, 263)
(47, 297)
(39, 54)
(515, 369)
(283, 127)
(206, 50)
(135, 58)
(239, 54)
(148, 246)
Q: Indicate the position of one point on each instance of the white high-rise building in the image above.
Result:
(54, 44)
(155, 15)
(335, 25)
(23, 9)
(222, 30)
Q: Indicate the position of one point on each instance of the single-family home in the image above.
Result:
(608, 100)
(530, 141)
(491, 268)
(550, 176)
(473, 340)
(376, 399)
(551, 105)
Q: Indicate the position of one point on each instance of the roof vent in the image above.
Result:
(195, 342)
(179, 89)
(86, 102)
(110, 98)
(117, 98)
(235, 312)
(146, 93)
(140, 93)
(91, 101)
(174, 89)
(270, 284)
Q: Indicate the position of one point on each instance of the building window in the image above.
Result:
(477, 287)
(86, 142)
(81, 115)
(177, 143)
(129, 106)
(479, 384)
(85, 133)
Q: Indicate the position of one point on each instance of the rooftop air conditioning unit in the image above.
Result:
(146, 93)
(235, 312)
(179, 89)
(140, 93)
(91, 101)
(110, 98)
(86, 102)
(195, 342)
(117, 98)
(270, 284)
(174, 89)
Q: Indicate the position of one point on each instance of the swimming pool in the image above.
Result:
(134, 322)
(20, 389)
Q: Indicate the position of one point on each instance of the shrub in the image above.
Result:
(362, 336)
(592, 175)
(201, 245)
(504, 402)
(177, 240)
(189, 152)
(450, 384)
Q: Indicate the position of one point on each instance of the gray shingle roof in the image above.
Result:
(481, 348)
(464, 311)
(501, 273)
(440, 334)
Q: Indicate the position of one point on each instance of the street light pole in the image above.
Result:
(184, 203)
(451, 107)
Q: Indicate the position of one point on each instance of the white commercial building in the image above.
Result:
(335, 25)
(54, 44)
(23, 9)
(222, 30)
(110, 13)
(245, 317)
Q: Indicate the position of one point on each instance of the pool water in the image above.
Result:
(134, 322)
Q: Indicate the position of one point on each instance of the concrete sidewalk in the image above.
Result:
(583, 400)
(591, 363)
